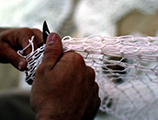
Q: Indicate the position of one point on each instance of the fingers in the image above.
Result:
(13, 58)
(24, 34)
(91, 74)
(38, 37)
(16, 39)
(53, 51)
(19, 38)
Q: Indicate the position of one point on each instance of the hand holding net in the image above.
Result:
(126, 71)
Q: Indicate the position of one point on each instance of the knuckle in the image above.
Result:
(22, 35)
(23, 32)
(91, 70)
(96, 87)
(91, 73)
(73, 58)
(77, 58)
(37, 33)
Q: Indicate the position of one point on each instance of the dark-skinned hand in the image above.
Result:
(64, 87)
(16, 39)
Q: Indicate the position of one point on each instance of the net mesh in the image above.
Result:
(126, 70)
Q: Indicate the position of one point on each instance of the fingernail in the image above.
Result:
(51, 38)
(20, 65)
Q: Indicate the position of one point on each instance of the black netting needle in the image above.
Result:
(46, 31)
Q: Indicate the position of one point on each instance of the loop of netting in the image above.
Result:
(126, 70)
(144, 48)
(34, 59)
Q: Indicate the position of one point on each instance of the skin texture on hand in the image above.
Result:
(64, 87)
(16, 39)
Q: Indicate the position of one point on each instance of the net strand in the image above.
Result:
(126, 70)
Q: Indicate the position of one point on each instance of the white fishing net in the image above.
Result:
(126, 71)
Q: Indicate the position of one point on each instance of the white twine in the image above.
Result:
(126, 71)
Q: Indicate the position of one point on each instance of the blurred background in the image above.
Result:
(76, 18)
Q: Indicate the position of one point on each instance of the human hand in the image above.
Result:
(15, 39)
(64, 87)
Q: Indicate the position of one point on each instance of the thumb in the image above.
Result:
(53, 51)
